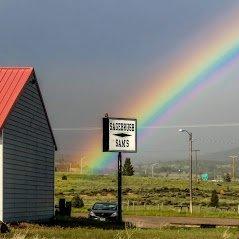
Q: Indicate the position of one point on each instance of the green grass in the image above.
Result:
(161, 194)
(167, 212)
(170, 211)
(38, 232)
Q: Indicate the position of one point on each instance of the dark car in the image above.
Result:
(104, 211)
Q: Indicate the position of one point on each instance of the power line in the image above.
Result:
(154, 127)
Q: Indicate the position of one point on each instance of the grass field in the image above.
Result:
(150, 196)
(38, 232)
(142, 196)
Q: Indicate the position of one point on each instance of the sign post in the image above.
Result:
(119, 187)
(119, 135)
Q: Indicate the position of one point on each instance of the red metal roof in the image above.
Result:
(12, 83)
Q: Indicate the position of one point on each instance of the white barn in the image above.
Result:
(27, 148)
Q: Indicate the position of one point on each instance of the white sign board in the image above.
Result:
(119, 135)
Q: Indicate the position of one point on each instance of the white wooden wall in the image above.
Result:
(28, 161)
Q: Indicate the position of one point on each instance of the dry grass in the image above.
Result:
(128, 233)
(20, 235)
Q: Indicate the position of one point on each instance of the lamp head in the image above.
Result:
(181, 130)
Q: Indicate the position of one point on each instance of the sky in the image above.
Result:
(93, 57)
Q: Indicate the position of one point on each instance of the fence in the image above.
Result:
(160, 207)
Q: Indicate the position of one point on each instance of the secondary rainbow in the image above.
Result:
(182, 80)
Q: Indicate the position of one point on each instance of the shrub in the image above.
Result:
(77, 202)
(64, 177)
(128, 169)
(227, 178)
(214, 199)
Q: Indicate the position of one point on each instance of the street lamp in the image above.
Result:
(191, 166)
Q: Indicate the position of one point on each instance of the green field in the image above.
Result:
(142, 196)
(150, 196)
(37, 232)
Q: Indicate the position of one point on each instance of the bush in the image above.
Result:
(64, 177)
(227, 178)
(214, 199)
(128, 169)
(77, 202)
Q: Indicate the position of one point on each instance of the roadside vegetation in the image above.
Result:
(39, 232)
(151, 196)
(142, 196)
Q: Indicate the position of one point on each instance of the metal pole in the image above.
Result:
(119, 187)
(152, 168)
(81, 164)
(196, 163)
(233, 168)
(191, 172)
(233, 157)
(191, 167)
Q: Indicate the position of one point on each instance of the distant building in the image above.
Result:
(27, 148)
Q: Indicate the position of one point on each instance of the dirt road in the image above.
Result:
(155, 222)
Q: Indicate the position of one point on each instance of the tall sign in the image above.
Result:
(119, 135)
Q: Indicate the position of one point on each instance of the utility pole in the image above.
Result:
(70, 168)
(81, 164)
(233, 157)
(191, 172)
(196, 163)
(152, 167)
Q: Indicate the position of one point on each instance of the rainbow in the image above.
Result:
(203, 62)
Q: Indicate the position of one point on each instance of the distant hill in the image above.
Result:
(215, 164)
(221, 155)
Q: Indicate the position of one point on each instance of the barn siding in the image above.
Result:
(28, 165)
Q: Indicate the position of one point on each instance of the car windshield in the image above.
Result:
(105, 206)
